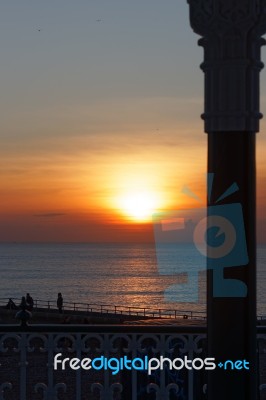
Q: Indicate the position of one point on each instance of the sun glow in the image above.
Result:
(139, 206)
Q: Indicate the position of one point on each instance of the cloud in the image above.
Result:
(50, 215)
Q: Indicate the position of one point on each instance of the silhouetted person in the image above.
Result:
(60, 302)
(23, 304)
(11, 305)
(30, 302)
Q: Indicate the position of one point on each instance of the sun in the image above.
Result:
(138, 206)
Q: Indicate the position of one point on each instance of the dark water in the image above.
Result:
(103, 273)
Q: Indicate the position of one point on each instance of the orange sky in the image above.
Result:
(75, 192)
(93, 114)
(79, 193)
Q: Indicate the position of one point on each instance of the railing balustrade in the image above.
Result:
(146, 312)
(22, 351)
(27, 369)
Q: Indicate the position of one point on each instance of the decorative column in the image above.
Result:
(231, 33)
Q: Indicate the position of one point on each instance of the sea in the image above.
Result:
(111, 274)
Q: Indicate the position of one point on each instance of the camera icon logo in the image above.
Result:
(212, 238)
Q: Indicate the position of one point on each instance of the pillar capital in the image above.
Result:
(231, 33)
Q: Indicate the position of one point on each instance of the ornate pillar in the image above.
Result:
(231, 33)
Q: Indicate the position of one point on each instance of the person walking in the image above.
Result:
(60, 302)
(30, 302)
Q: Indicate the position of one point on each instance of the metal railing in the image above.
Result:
(22, 350)
(27, 362)
(109, 309)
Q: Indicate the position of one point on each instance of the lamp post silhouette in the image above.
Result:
(231, 37)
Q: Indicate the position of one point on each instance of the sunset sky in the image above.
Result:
(100, 111)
